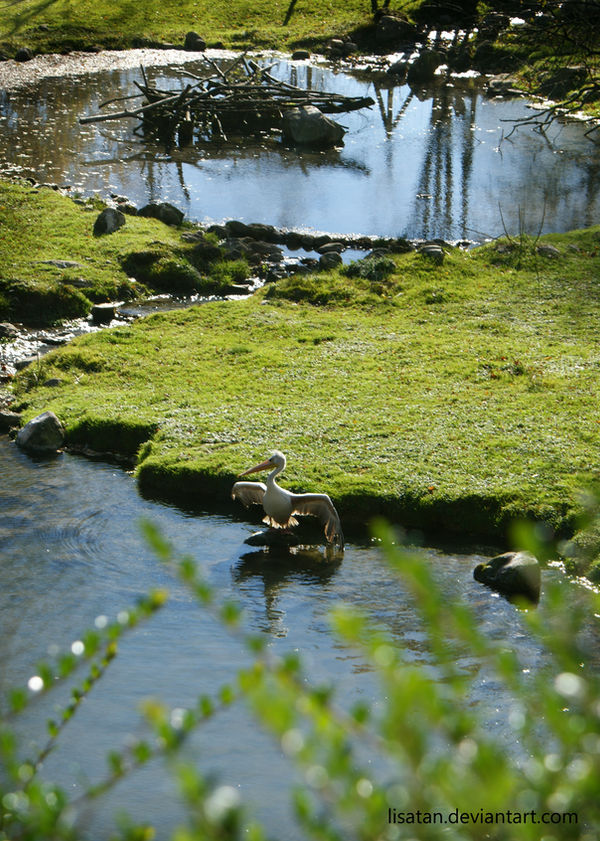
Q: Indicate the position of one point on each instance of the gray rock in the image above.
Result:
(235, 248)
(8, 331)
(53, 382)
(336, 47)
(108, 221)
(205, 252)
(328, 247)
(43, 434)
(433, 252)
(307, 126)
(492, 24)
(236, 289)
(235, 228)
(61, 264)
(300, 55)
(165, 212)
(502, 86)
(258, 230)
(128, 208)
(424, 66)
(25, 362)
(103, 313)
(392, 29)
(219, 230)
(9, 420)
(194, 42)
(23, 54)
(559, 83)
(293, 240)
(398, 69)
(512, 574)
(329, 260)
(547, 250)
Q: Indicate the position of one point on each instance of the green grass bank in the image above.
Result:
(53, 267)
(81, 24)
(454, 398)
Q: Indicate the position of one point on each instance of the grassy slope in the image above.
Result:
(454, 396)
(40, 225)
(235, 23)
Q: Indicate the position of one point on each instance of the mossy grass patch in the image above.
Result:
(52, 267)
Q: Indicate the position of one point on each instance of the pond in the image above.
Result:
(71, 550)
(422, 163)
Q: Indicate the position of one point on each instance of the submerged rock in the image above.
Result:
(512, 574)
(43, 434)
(307, 126)
(272, 537)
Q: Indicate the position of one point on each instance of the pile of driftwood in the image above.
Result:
(241, 99)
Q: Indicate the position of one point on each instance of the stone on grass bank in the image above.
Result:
(108, 221)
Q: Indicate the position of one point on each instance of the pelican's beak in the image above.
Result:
(264, 465)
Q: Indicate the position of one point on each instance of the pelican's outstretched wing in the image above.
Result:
(319, 505)
(249, 492)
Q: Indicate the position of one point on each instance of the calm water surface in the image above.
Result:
(420, 163)
(70, 550)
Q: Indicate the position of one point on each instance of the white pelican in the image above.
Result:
(281, 505)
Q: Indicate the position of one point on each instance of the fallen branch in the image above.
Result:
(246, 103)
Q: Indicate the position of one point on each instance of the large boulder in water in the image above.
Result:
(513, 574)
(307, 126)
(43, 434)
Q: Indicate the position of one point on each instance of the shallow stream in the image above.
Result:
(71, 551)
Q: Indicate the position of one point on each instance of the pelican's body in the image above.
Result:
(280, 505)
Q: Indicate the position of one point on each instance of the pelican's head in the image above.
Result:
(275, 460)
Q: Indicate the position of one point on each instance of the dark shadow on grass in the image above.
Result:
(26, 17)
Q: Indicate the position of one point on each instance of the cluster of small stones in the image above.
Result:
(258, 243)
